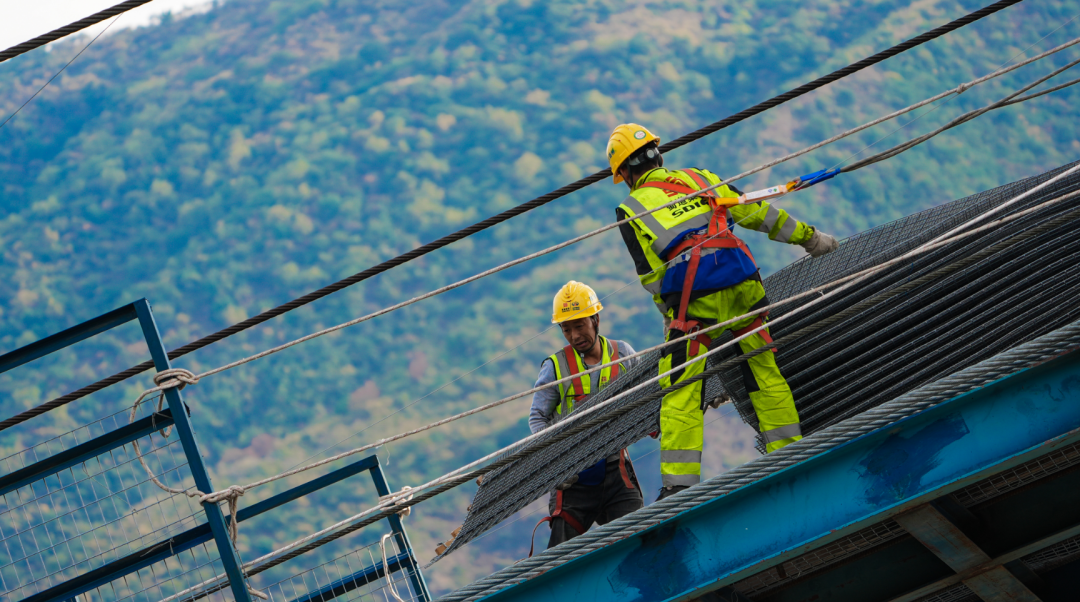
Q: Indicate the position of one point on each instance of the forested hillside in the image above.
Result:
(226, 162)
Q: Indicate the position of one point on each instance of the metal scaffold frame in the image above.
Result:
(216, 526)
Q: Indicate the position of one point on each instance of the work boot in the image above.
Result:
(670, 491)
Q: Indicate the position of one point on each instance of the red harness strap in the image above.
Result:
(757, 323)
(558, 513)
(718, 236)
(572, 364)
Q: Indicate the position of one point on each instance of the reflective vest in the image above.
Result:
(568, 362)
(675, 232)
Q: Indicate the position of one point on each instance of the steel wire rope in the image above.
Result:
(954, 91)
(508, 214)
(178, 377)
(962, 119)
(723, 414)
(938, 106)
(1030, 354)
(66, 65)
(70, 28)
(395, 502)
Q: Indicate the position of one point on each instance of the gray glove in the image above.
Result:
(820, 243)
(567, 484)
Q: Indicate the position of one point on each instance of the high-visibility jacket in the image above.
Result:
(659, 235)
(568, 362)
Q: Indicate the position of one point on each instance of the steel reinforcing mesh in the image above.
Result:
(875, 355)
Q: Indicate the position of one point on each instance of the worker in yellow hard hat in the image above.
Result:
(699, 274)
(608, 489)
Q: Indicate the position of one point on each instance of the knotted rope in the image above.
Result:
(179, 378)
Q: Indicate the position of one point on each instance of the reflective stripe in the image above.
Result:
(562, 370)
(680, 456)
(654, 287)
(663, 236)
(770, 220)
(680, 480)
(787, 229)
(782, 432)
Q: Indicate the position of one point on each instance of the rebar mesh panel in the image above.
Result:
(840, 549)
(891, 348)
(90, 514)
(358, 575)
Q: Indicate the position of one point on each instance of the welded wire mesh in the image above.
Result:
(894, 346)
(166, 578)
(1054, 556)
(92, 513)
(840, 549)
(956, 593)
(1019, 476)
(359, 575)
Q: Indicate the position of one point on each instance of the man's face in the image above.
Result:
(580, 333)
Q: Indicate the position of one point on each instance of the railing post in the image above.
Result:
(214, 517)
(415, 576)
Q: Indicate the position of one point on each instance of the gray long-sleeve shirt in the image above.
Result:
(544, 402)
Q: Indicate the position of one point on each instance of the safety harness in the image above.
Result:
(559, 512)
(718, 236)
(574, 369)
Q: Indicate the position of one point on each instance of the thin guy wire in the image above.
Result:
(394, 503)
(550, 250)
(921, 115)
(66, 65)
(508, 214)
(1032, 353)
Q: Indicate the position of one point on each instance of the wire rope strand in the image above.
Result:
(505, 215)
(69, 29)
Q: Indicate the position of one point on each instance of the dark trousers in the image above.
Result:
(574, 510)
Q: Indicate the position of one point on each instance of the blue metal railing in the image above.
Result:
(131, 556)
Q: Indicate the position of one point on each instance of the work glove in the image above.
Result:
(820, 243)
(715, 403)
(567, 484)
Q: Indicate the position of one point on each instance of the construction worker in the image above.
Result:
(608, 489)
(701, 274)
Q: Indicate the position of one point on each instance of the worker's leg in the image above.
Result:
(769, 392)
(681, 419)
(622, 493)
(577, 508)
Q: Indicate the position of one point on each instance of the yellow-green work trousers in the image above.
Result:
(681, 419)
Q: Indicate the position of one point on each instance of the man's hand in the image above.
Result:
(567, 484)
(820, 243)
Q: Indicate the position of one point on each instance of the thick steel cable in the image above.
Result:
(506, 215)
(1033, 353)
(385, 509)
(69, 29)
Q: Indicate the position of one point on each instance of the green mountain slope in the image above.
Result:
(224, 163)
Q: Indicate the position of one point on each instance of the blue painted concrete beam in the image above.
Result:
(811, 504)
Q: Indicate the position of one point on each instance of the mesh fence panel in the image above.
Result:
(892, 347)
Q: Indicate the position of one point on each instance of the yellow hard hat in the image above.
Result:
(625, 141)
(574, 300)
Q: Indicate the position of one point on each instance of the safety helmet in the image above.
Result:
(574, 300)
(625, 141)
